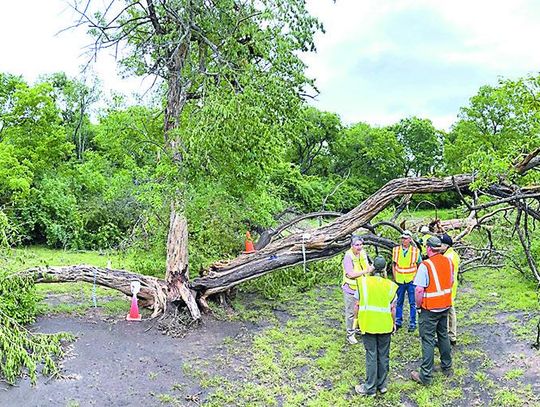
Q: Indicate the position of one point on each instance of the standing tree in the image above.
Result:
(199, 48)
(423, 145)
(499, 127)
(74, 98)
(311, 149)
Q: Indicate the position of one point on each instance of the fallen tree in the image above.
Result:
(316, 244)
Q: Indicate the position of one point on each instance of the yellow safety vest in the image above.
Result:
(452, 255)
(406, 266)
(360, 263)
(375, 294)
(424, 239)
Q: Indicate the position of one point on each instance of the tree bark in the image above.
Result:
(152, 292)
(177, 272)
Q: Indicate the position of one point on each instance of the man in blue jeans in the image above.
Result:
(406, 258)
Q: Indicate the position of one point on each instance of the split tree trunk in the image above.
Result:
(177, 273)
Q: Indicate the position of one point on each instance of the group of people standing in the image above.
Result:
(427, 274)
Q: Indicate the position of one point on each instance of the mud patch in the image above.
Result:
(508, 353)
(120, 364)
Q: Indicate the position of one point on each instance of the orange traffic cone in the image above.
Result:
(249, 244)
(134, 310)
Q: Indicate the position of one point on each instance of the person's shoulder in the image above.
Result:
(391, 283)
(422, 267)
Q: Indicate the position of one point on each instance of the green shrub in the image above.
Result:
(17, 297)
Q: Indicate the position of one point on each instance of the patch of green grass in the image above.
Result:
(507, 398)
(473, 353)
(481, 377)
(513, 374)
(523, 327)
(117, 307)
(505, 290)
(77, 298)
(178, 386)
(165, 398)
(212, 381)
(26, 257)
(467, 338)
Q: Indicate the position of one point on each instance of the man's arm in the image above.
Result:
(421, 281)
(348, 266)
(418, 296)
(354, 274)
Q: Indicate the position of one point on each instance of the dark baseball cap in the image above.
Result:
(447, 240)
(434, 242)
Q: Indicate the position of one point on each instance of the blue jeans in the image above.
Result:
(409, 289)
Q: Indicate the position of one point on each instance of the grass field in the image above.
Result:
(300, 358)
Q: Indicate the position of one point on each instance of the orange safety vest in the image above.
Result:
(405, 265)
(452, 255)
(438, 294)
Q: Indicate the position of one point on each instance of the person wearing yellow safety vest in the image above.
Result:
(449, 252)
(433, 293)
(424, 230)
(355, 264)
(376, 319)
(406, 258)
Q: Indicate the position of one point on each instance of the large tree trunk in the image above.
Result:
(152, 292)
(177, 273)
(322, 243)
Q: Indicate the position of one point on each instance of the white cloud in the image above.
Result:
(382, 60)
(379, 61)
(34, 44)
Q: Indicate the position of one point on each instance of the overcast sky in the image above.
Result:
(379, 61)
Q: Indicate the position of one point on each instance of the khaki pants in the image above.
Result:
(350, 303)
(452, 324)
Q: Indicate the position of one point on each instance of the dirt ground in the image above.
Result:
(120, 363)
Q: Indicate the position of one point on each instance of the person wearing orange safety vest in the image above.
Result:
(406, 258)
(449, 252)
(376, 319)
(434, 281)
(355, 264)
